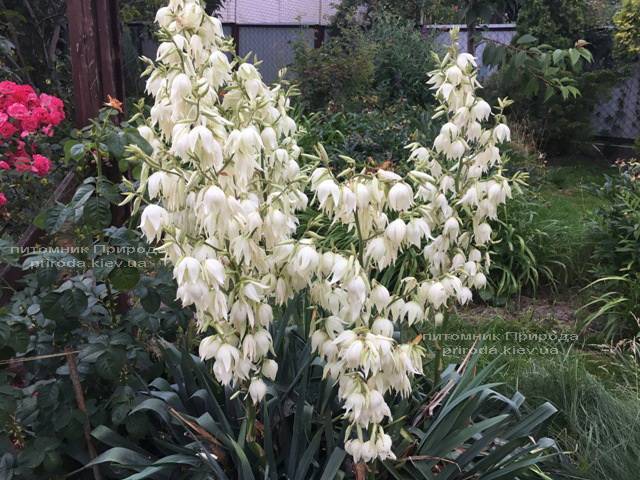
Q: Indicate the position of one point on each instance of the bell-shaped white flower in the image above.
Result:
(152, 220)
(400, 197)
(257, 390)
(454, 75)
(187, 270)
(481, 111)
(180, 87)
(437, 295)
(465, 60)
(502, 133)
(209, 347)
(270, 369)
(395, 232)
(482, 233)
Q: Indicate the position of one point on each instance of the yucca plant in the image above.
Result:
(469, 430)
(462, 429)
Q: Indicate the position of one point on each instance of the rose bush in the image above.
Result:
(24, 116)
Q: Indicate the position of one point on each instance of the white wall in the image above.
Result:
(274, 12)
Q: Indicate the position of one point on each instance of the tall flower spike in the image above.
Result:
(228, 188)
(441, 209)
(225, 177)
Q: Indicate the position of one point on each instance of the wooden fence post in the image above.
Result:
(235, 34)
(319, 34)
(96, 58)
(96, 61)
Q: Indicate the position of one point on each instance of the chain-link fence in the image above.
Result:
(501, 33)
(273, 46)
(618, 116)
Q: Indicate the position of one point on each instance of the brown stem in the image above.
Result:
(77, 389)
(53, 44)
(428, 409)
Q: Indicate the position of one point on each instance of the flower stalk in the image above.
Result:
(227, 187)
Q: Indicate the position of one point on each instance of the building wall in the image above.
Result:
(277, 12)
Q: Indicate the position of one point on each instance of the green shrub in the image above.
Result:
(615, 229)
(422, 12)
(100, 293)
(66, 305)
(527, 256)
(556, 22)
(627, 22)
(616, 225)
(552, 25)
(370, 136)
(379, 63)
(339, 72)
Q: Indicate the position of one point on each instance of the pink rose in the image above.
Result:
(22, 164)
(18, 111)
(7, 129)
(41, 165)
(7, 87)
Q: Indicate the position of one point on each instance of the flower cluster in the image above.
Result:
(441, 209)
(226, 190)
(24, 113)
(227, 185)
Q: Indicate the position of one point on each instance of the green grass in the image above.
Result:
(597, 424)
(568, 198)
(596, 393)
(567, 195)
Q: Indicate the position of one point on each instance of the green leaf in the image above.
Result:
(41, 219)
(268, 442)
(76, 151)
(123, 165)
(133, 137)
(31, 457)
(245, 472)
(118, 456)
(19, 339)
(308, 456)
(526, 39)
(155, 405)
(110, 363)
(151, 301)
(115, 143)
(549, 92)
(113, 439)
(124, 278)
(54, 218)
(333, 464)
(574, 55)
(82, 194)
(97, 212)
(59, 306)
(108, 190)
(136, 172)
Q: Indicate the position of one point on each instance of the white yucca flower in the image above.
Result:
(228, 189)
